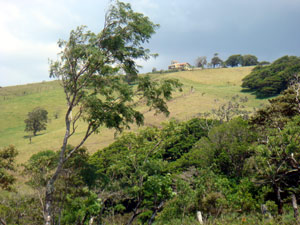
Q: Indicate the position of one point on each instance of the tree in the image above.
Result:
(278, 112)
(270, 80)
(133, 175)
(249, 60)
(277, 163)
(7, 157)
(225, 112)
(201, 61)
(216, 61)
(36, 121)
(89, 68)
(234, 60)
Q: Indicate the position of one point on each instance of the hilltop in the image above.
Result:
(203, 90)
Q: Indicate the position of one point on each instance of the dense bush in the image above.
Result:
(270, 80)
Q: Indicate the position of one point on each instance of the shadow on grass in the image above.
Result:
(257, 96)
(31, 136)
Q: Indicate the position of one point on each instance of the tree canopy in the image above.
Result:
(92, 68)
(234, 60)
(241, 60)
(249, 60)
(216, 61)
(37, 120)
(270, 80)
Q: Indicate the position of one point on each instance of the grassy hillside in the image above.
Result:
(211, 88)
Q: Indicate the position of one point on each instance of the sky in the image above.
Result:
(188, 29)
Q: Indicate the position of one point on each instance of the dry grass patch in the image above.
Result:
(211, 87)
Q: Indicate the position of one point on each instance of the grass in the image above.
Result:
(211, 87)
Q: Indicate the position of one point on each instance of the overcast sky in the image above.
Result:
(30, 29)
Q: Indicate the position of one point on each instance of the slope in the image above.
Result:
(203, 90)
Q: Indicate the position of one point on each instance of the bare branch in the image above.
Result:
(74, 121)
(90, 130)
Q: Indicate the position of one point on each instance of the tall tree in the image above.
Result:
(216, 61)
(249, 60)
(277, 162)
(234, 60)
(36, 121)
(89, 68)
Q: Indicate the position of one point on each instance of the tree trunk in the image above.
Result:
(2, 222)
(279, 201)
(50, 184)
(295, 207)
(135, 212)
(49, 195)
(91, 221)
(155, 212)
(199, 217)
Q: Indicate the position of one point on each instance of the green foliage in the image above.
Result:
(224, 150)
(234, 60)
(212, 194)
(230, 143)
(7, 157)
(131, 173)
(179, 137)
(277, 161)
(20, 209)
(165, 175)
(50, 95)
(266, 81)
(216, 61)
(183, 203)
(72, 181)
(39, 168)
(90, 67)
(262, 63)
(36, 121)
(80, 210)
(90, 64)
(250, 60)
(275, 115)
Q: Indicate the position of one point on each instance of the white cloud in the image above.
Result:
(30, 29)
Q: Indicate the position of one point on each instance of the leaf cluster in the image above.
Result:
(7, 157)
(36, 121)
(270, 80)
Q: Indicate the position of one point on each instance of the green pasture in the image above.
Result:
(203, 90)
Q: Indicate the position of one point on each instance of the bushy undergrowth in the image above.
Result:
(228, 171)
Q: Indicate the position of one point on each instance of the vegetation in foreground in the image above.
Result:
(241, 171)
